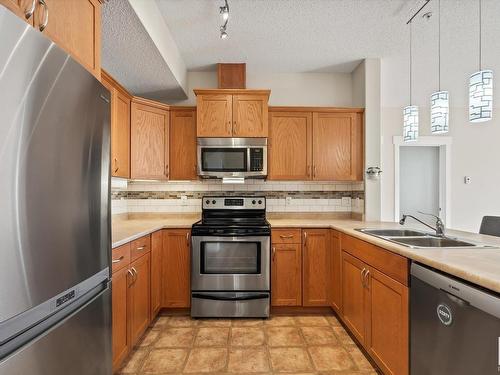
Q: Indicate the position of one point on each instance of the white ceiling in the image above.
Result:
(288, 35)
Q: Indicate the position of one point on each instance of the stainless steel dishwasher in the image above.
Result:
(454, 326)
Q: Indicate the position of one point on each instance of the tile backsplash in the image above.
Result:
(185, 197)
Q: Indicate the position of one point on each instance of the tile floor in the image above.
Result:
(311, 344)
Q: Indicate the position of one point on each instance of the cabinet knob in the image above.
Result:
(45, 22)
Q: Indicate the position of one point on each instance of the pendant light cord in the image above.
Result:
(480, 35)
(410, 60)
(439, 45)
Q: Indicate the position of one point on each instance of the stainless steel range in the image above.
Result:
(230, 268)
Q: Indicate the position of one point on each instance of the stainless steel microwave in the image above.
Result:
(232, 157)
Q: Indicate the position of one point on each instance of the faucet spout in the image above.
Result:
(439, 229)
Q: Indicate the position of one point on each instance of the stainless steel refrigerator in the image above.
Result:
(55, 309)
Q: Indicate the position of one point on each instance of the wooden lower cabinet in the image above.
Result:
(156, 257)
(139, 296)
(286, 275)
(176, 268)
(120, 337)
(315, 266)
(335, 284)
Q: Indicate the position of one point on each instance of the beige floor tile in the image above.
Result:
(161, 322)
(311, 320)
(289, 360)
(247, 322)
(175, 338)
(248, 360)
(280, 321)
(284, 336)
(327, 358)
(149, 337)
(359, 358)
(343, 336)
(212, 336)
(214, 322)
(247, 336)
(160, 361)
(135, 361)
(182, 321)
(206, 360)
(333, 320)
(319, 335)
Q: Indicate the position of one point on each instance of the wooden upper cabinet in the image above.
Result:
(76, 27)
(183, 144)
(315, 270)
(21, 8)
(232, 113)
(176, 268)
(214, 115)
(140, 297)
(149, 140)
(120, 127)
(337, 147)
(289, 145)
(250, 115)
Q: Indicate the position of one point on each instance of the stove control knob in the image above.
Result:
(213, 202)
(260, 202)
(207, 201)
(253, 202)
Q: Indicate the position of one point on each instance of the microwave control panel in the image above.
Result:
(256, 159)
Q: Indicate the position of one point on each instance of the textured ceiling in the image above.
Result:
(131, 57)
(287, 35)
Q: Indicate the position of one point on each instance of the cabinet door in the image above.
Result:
(149, 142)
(354, 299)
(214, 115)
(140, 297)
(250, 115)
(156, 254)
(183, 145)
(176, 271)
(337, 147)
(20, 8)
(120, 135)
(120, 336)
(286, 284)
(387, 338)
(76, 27)
(335, 285)
(315, 248)
(290, 145)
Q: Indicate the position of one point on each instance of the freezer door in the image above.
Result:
(54, 168)
(78, 345)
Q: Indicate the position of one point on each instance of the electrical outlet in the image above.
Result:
(184, 200)
(288, 201)
(346, 201)
(467, 180)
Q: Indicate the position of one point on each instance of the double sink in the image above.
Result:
(418, 239)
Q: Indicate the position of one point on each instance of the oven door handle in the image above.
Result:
(219, 297)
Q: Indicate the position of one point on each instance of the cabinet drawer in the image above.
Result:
(120, 257)
(392, 265)
(286, 236)
(139, 247)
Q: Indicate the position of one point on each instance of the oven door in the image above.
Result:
(230, 263)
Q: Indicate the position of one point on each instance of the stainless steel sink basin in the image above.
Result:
(432, 242)
(394, 232)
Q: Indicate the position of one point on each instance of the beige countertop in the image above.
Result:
(478, 265)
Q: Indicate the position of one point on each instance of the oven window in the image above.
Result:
(230, 258)
(224, 159)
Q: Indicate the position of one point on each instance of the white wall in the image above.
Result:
(476, 148)
(293, 89)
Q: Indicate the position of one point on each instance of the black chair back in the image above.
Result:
(490, 225)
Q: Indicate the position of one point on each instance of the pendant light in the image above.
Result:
(481, 88)
(410, 112)
(440, 106)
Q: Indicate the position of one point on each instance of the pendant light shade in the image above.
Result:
(410, 123)
(481, 96)
(440, 109)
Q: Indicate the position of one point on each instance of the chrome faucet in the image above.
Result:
(439, 223)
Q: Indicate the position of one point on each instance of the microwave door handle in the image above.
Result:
(249, 161)
(221, 297)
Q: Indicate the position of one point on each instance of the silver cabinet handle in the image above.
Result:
(367, 284)
(274, 253)
(187, 239)
(141, 248)
(118, 260)
(285, 237)
(115, 161)
(363, 277)
(166, 170)
(129, 272)
(29, 11)
(135, 274)
(45, 22)
(305, 239)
